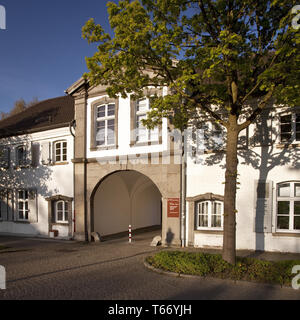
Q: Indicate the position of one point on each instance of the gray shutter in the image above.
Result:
(32, 205)
(46, 159)
(263, 206)
(11, 216)
(35, 154)
(4, 157)
(4, 205)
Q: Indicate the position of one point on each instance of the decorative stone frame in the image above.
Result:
(95, 104)
(192, 214)
(51, 211)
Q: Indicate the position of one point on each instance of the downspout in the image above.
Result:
(183, 190)
(73, 125)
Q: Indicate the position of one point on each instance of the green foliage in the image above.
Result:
(222, 53)
(204, 264)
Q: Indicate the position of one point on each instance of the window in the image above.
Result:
(21, 156)
(4, 157)
(23, 205)
(60, 149)
(142, 134)
(209, 214)
(105, 125)
(61, 212)
(290, 128)
(288, 206)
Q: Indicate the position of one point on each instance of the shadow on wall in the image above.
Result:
(170, 237)
(23, 172)
(266, 157)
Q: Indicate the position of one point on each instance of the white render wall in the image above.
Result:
(48, 180)
(272, 163)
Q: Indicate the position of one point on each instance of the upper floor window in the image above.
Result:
(142, 134)
(60, 151)
(209, 214)
(288, 206)
(4, 157)
(290, 127)
(21, 156)
(61, 212)
(106, 125)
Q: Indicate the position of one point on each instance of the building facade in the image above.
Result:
(36, 177)
(128, 175)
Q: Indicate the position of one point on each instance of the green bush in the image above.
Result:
(205, 264)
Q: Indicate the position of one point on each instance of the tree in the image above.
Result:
(19, 106)
(226, 59)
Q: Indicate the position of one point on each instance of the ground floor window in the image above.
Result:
(288, 206)
(61, 211)
(23, 205)
(209, 214)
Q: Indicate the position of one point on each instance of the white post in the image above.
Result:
(130, 237)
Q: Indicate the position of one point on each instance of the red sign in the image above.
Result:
(173, 208)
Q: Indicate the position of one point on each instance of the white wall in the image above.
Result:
(48, 180)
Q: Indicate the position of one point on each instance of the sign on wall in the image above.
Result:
(173, 208)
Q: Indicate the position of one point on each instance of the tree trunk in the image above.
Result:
(229, 240)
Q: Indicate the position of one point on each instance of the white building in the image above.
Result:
(36, 176)
(128, 175)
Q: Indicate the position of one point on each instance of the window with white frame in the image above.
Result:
(290, 127)
(61, 210)
(106, 125)
(21, 156)
(288, 206)
(23, 205)
(209, 214)
(142, 134)
(60, 151)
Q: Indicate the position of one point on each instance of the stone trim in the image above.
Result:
(286, 234)
(206, 196)
(95, 104)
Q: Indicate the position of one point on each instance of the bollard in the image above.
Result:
(130, 238)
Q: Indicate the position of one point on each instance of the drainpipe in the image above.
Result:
(183, 190)
(73, 126)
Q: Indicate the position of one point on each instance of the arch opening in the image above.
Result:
(125, 198)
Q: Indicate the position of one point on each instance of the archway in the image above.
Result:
(125, 198)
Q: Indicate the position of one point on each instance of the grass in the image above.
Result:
(212, 265)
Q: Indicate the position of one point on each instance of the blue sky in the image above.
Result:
(41, 51)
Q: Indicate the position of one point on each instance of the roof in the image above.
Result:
(45, 115)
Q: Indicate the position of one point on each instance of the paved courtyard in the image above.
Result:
(112, 270)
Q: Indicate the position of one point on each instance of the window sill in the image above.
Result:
(145, 144)
(286, 234)
(210, 231)
(65, 224)
(59, 164)
(288, 145)
(103, 148)
(21, 222)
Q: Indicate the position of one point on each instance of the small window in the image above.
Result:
(61, 211)
(288, 206)
(23, 205)
(209, 215)
(21, 156)
(142, 134)
(290, 128)
(60, 149)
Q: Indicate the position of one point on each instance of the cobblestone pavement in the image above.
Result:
(113, 270)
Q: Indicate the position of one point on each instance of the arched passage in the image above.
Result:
(125, 198)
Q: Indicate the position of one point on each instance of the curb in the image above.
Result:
(190, 276)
